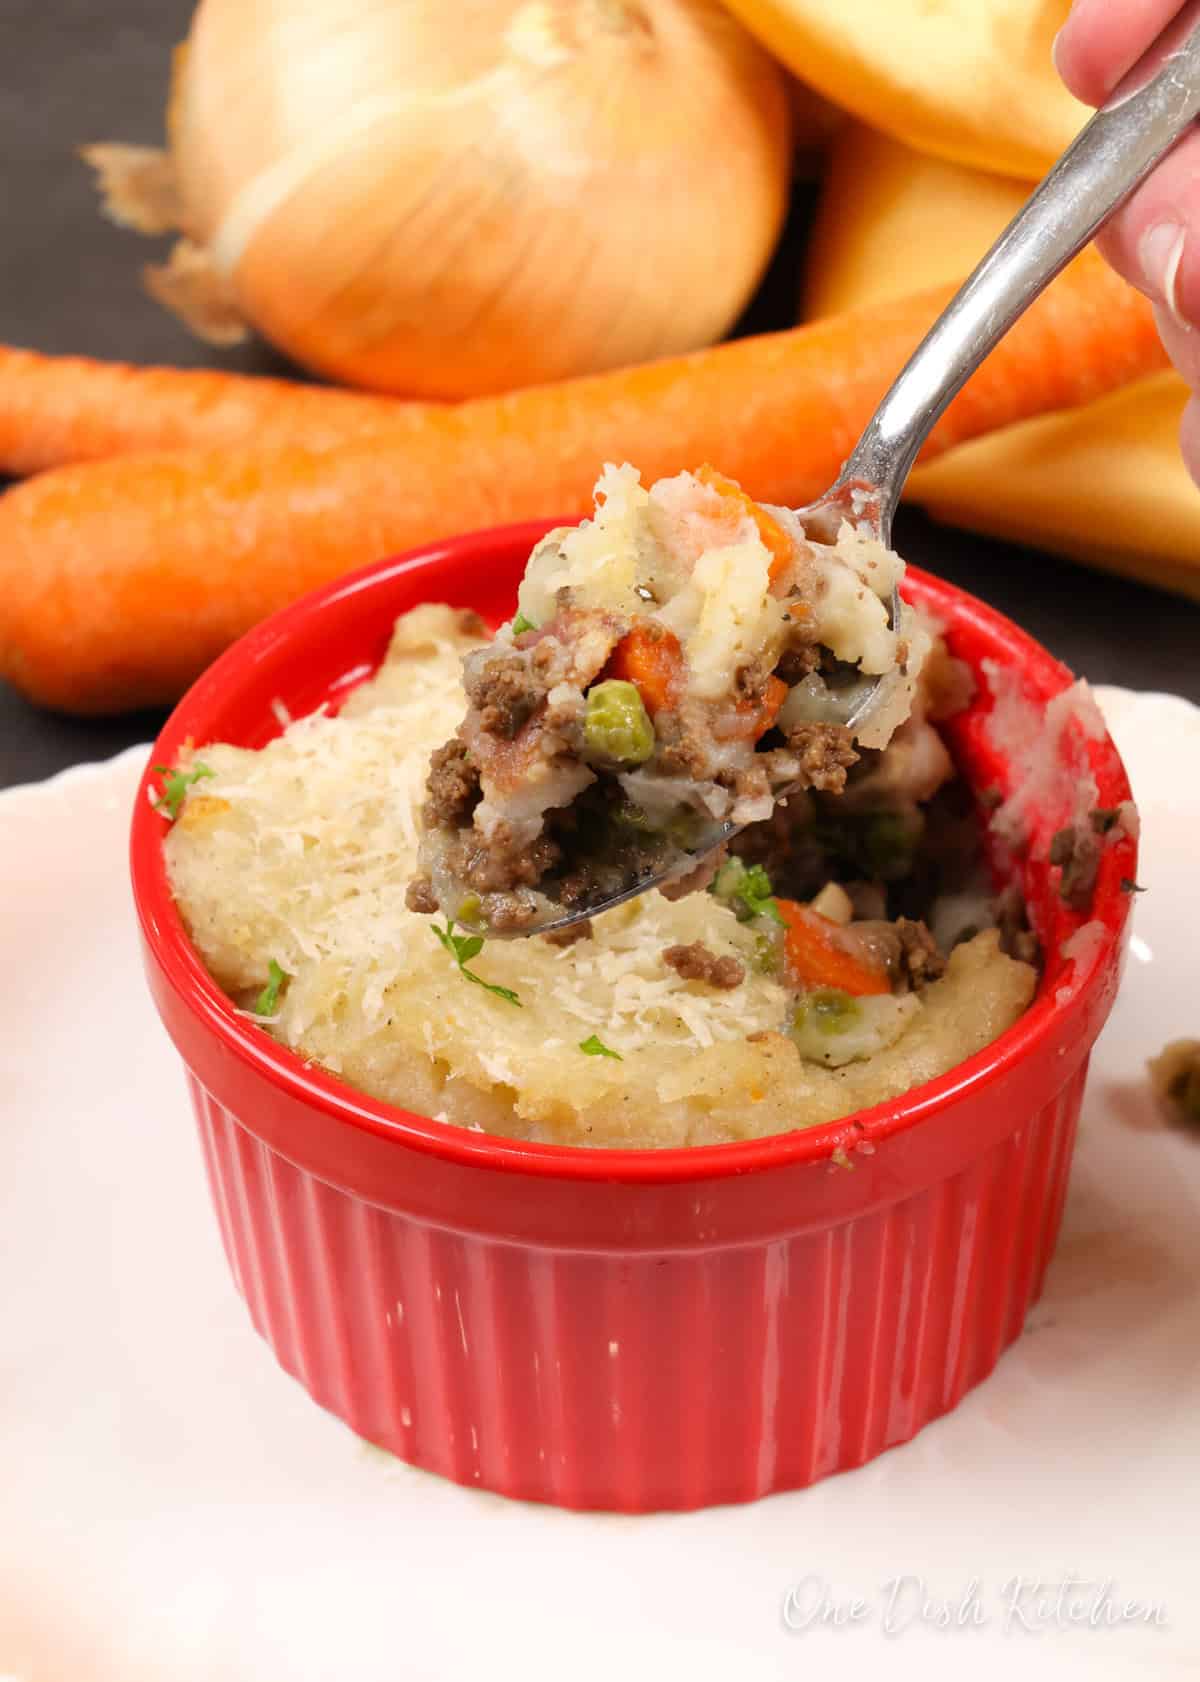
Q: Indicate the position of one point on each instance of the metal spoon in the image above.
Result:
(1148, 112)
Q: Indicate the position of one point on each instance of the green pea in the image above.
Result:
(616, 726)
(468, 909)
(826, 1010)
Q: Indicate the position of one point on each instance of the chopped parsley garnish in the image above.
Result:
(462, 948)
(594, 1046)
(746, 890)
(175, 785)
(267, 1002)
(520, 625)
(756, 895)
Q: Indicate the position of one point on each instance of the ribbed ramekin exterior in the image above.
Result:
(637, 1380)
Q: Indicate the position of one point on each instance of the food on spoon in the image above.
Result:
(659, 1023)
(676, 662)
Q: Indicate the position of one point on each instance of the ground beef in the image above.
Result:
(697, 963)
(798, 662)
(575, 646)
(826, 752)
(747, 782)
(452, 786)
(547, 657)
(750, 680)
(506, 691)
(1077, 851)
(801, 653)
(1012, 920)
(684, 744)
(501, 863)
(920, 957)
(563, 722)
(419, 896)
(508, 910)
(569, 935)
(905, 948)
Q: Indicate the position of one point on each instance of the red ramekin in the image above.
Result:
(630, 1329)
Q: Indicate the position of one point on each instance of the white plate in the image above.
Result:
(174, 1509)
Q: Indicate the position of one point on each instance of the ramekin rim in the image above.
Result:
(170, 947)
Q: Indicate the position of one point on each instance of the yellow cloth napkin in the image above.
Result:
(967, 80)
(1105, 483)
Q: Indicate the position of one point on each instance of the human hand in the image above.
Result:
(1154, 239)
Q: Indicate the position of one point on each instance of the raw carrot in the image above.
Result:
(59, 409)
(775, 540)
(650, 657)
(814, 958)
(120, 580)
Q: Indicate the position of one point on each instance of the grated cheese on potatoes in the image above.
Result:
(301, 852)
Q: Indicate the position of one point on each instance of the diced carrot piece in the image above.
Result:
(773, 698)
(814, 958)
(775, 540)
(650, 657)
(755, 718)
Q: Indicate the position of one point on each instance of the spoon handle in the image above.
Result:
(1146, 115)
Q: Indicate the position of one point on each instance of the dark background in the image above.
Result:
(73, 71)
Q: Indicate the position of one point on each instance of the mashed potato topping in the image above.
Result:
(299, 855)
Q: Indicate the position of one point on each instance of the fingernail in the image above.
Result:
(1054, 52)
(1160, 254)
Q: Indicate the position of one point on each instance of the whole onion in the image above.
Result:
(447, 197)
